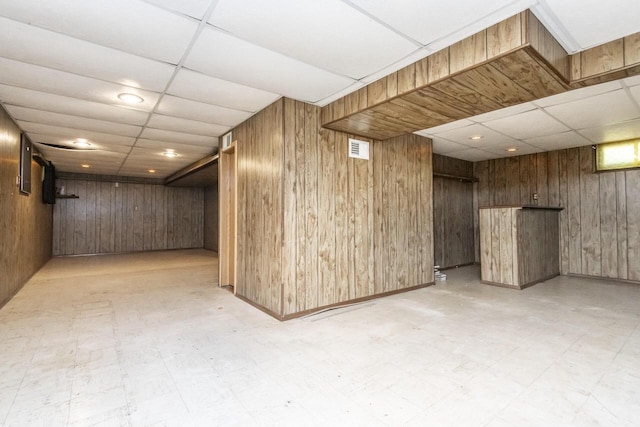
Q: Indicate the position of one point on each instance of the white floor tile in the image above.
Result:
(148, 339)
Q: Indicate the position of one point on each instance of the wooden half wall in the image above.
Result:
(316, 228)
(25, 222)
(600, 225)
(129, 217)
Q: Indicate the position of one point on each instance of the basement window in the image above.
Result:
(618, 155)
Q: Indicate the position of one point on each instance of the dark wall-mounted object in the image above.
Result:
(49, 184)
(25, 164)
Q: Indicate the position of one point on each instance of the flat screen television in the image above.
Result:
(25, 164)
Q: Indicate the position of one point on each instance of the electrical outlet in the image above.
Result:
(535, 196)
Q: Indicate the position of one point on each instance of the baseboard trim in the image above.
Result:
(347, 303)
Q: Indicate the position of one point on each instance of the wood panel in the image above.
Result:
(598, 228)
(210, 219)
(25, 222)
(453, 213)
(127, 218)
(610, 61)
(538, 246)
(497, 247)
(514, 61)
(317, 228)
(260, 227)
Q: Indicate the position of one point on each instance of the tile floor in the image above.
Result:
(149, 339)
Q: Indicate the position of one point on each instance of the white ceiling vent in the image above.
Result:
(358, 149)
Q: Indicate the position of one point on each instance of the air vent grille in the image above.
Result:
(358, 149)
(227, 139)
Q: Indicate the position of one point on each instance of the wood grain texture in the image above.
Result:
(514, 61)
(468, 52)
(361, 227)
(547, 46)
(601, 59)
(519, 246)
(505, 35)
(127, 218)
(632, 49)
(596, 226)
(210, 219)
(452, 213)
(260, 233)
(25, 222)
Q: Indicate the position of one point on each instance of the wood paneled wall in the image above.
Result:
(25, 222)
(600, 225)
(211, 230)
(317, 228)
(259, 216)
(126, 218)
(452, 213)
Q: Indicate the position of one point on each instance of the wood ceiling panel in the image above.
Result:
(510, 63)
(511, 79)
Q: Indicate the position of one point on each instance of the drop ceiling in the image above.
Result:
(202, 67)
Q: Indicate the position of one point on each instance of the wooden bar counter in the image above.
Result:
(519, 245)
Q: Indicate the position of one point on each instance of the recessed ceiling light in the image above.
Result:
(85, 166)
(131, 98)
(152, 171)
(511, 150)
(81, 142)
(170, 153)
(476, 137)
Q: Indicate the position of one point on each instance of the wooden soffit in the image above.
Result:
(512, 62)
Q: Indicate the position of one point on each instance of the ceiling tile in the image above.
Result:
(193, 8)
(200, 87)
(164, 135)
(463, 136)
(409, 59)
(74, 134)
(503, 112)
(94, 157)
(224, 56)
(61, 140)
(65, 105)
(617, 132)
(576, 94)
(530, 124)
(359, 45)
(81, 123)
(521, 149)
(635, 93)
(600, 110)
(593, 22)
(445, 127)
(429, 22)
(472, 155)
(179, 148)
(130, 26)
(337, 95)
(42, 79)
(443, 146)
(559, 141)
(33, 45)
(187, 109)
(176, 124)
